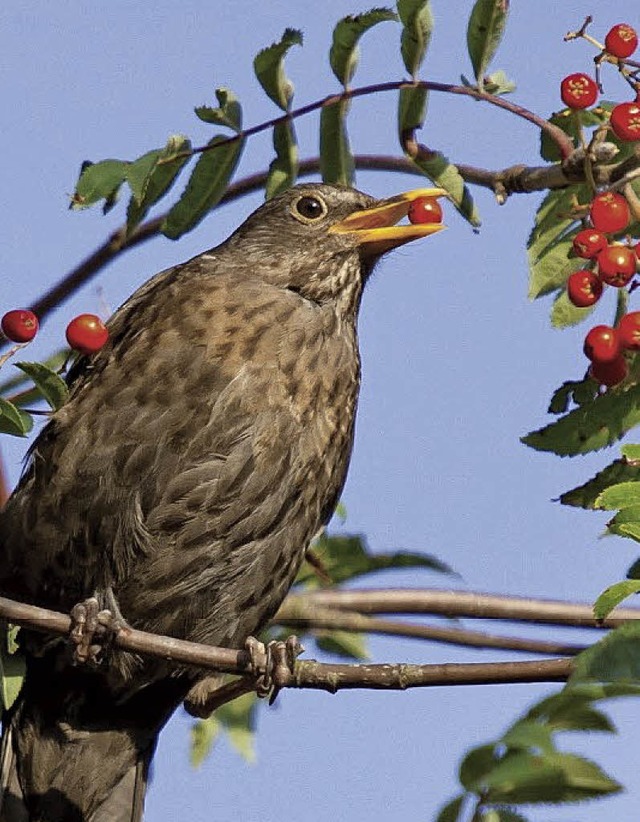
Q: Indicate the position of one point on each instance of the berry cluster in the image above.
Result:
(86, 333)
(611, 261)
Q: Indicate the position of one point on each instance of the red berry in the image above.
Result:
(602, 344)
(19, 325)
(584, 288)
(629, 331)
(588, 243)
(616, 265)
(578, 91)
(609, 373)
(625, 121)
(610, 212)
(87, 333)
(425, 210)
(621, 40)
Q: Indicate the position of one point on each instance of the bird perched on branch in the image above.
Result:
(198, 454)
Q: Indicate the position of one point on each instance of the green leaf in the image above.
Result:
(525, 778)
(621, 495)
(205, 187)
(613, 596)
(615, 658)
(343, 55)
(336, 160)
(445, 175)
(626, 523)
(344, 644)
(283, 171)
(13, 420)
(204, 733)
(527, 735)
(570, 710)
(451, 812)
(347, 557)
(498, 83)
(153, 174)
(412, 109)
(484, 33)
(54, 362)
(631, 453)
(12, 665)
(228, 114)
(269, 68)
(565, 314)
(498, 814)
(98, 181)
(238, 719)
(574, 391)
(417, 25)
(568, 120)
(50, 385)
(591, 426)
(585, 496)
(477, 763)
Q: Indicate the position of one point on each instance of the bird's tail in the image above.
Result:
(75, 751)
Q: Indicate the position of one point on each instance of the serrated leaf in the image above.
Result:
(591, 427)
(336, 161)
(54, 362)
(269, 68)
(620, 495)
(50, 385)
(451, 812)
(346, 557)
(615, 658)
(412, 109)
(484, 32)
(343, 55)
(626, 522)
(417, 25)
(445, 175)
(585, 496)
(613, 596)
(205, 187)
(565, 314)
(525, 778)
(13, 420)
(152, 175)
(550, 270)
(229, 112)
(98, 181)
(571, 710)
(283, 171)
(574, 391)
(568, 121)
(345, 644)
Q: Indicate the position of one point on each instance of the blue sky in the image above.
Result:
(457, 363)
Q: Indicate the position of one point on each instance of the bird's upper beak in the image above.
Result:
(375, 228)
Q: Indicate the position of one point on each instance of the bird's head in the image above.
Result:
(324, 240)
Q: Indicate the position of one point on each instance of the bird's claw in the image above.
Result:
(91, 629)
(273, 664)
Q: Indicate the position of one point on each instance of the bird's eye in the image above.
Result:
(309, 209)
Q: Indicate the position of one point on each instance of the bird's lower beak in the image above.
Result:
(375, 228)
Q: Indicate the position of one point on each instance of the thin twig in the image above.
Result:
(296, 613)
(467, 604)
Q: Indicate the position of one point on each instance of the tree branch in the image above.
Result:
(297, 613)
(463, 604)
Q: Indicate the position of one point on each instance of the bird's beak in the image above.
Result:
(375, 228)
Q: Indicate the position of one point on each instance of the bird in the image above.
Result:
(199, 453)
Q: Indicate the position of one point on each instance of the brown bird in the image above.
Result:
(198, 454)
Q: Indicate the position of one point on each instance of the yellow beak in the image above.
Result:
(375, 228)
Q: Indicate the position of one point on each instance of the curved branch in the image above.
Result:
(465, 604)
(297, 613)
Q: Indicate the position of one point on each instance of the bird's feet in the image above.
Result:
(273, 664)
(92, 630)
